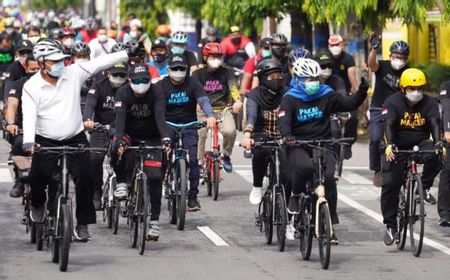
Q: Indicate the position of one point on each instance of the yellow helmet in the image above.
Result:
(412, 77)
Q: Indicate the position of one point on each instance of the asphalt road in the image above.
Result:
(190, 254)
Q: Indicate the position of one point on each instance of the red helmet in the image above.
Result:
(212, 48)
(67, 31)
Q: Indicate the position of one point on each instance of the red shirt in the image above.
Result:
(250, 64)
(230, 48)
(86, 36)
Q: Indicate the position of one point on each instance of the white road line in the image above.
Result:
(379, 218)
(5, 175)
(355, 179)
(345, 167)
(214, 237)
(3, 164)
(246, 174)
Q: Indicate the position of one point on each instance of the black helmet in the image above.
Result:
(211, 31)
(298, 53)
(117, 47)
(278, 39)
(55, 33)
(323, 57)
(265, 42)
(268, 66)
(400, 47)
(80, 48)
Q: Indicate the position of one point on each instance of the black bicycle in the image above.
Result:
(341, 119)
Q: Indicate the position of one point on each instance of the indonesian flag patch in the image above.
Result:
(281, 113)
(6, 74)
(91, 91)
(384, 111)
(118, 104)
(443, 92)
(12, 91)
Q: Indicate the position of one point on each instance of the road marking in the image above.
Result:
(350, 202)
(350, 168)
(214, 237)
(355, 179)
(246, 174)
(5, 175)
(3, 164)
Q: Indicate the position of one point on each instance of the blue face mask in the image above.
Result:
(57, 69)
(312, 88)
(266, 53)
(177, 50)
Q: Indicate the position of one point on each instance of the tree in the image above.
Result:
(150, 12)
(57, 5)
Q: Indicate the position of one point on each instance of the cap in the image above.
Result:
(177, 60)
(234, 29)
(119, 69)
(158, 43)
(57, 56)
(24, 45)
(323, 57)
(139, 70)
(335, 39)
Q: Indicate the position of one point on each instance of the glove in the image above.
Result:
(364, 79)
(375, 42)
(166, 141)
(390, 152)
(440, 148)
(118, 144)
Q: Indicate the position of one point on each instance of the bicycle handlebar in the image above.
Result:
(69, 149)
(324, 141)
(184, 125)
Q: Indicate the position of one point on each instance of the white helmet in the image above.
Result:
(306, 68)
(48, 49)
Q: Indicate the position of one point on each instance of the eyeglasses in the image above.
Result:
(140, 81)
(274, 76)
(178, 68)
(325, 66)
(121, 75)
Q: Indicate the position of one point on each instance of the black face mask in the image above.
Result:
(236, 40)
(279, 52)
(273, 86)
(159, 58)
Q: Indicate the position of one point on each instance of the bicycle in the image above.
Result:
(341, 119)
(176, 178)
(59, 226)
(138, 206)
(314, 218)
(411, 201)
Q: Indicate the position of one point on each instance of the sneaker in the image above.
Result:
(17, 190)
(121, 191)
(37, 214)
(377, 179)
(193, 204)
(390, 236)
(82, 233)
(227, 166)
(444, 222)
(255, 196)
(429, 198)
(153, 231)
(347, 152)
(98, 200)
(334, 241)
(294, 204)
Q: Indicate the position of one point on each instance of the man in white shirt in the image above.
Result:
(52, 117)
(102, 44)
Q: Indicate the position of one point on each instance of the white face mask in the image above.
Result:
(397, 64)
(140, 88)
(133, 34)
(34, 39)
(414, 96)
(177, 76)
(117, 81)
(102, 38)
(325, 73)
(214, 62)
(68, 43)
(336, 50)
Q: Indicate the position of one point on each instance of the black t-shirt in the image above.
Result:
(217, 85)
(6, 59)
(340, 67)
(15, 91)
(100, 102)
(387, 82)
(444, 98)
(411, 124)
(181, 100)
(143, 117)
(14, 72)
(336, 83)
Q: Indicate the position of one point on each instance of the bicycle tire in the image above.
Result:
(306, 233)
(216, 180)
(132, 222)
(65, 236)
(143, 214)
(280, 220)
(33, 233)
(54, 241)
(324, 237)
(268, 225)
(402, 222)
(39, 230)
(415, 217)
(181, 181)
(340, 161)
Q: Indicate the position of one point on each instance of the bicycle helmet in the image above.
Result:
(48, 49)
(91, 24)
(400, 47)
(265, 43)
(55, 33)
(163, 30)
(298, 53)
(268, 66)
(67, 31)
(306, 67)
(180, 37)
(117, 47)
(412, 77)
(278, 39)
(211, 31)
(80, 48)
(212, 48)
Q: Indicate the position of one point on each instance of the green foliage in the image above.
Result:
(436, 74)
(57, 5)
(150, 12)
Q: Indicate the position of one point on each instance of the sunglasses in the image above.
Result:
(121, 75)
(140, 81)
(178, 68)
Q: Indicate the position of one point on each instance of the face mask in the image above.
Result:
(266, 53)
(414, 96)
(117, 81)
(34, 39)
(336, 50)
(211, 38)
(159, 58)
(177, 76)
(236, 40)
(214, 62)
(133, 34)
(57, 70)
(68, 43)
(102, 38)
(312, 88)
(397, 64)
(9, 30)
(22, 59)
(164, 38)
(140, 88)
(177, 50)
(273, 86)
(325, 73)
(279, 52)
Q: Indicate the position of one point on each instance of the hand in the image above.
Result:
(12, 129)
(119, 146)
(89, 124)
(374, 41)
(439, 147)
(447, 136)
(290, 140)
(364, 78)
(237, 106)
(166, 142)
(211, 122)
(29, 148)
(390, 152)
(247, 143)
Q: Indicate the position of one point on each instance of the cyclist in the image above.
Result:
(326, 74)
(14, 119)
(305, 115)
(140, 116)
(443, 203)
(102, 44)
(237, 48)
(52, 117)
(292, 57)
(160, 55)
(67, 39)
(211, 37)
(163, 32)
(17, 69)
(410, 117)
(80, 53)
(33, 34)
(99, 109)
(183, 93)
(179, 47)
(387, 82)
(219, 84)
(278, 48)
(89, 33)
(262, 113)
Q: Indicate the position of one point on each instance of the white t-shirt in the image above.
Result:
(98, 49)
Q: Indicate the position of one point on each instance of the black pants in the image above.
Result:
(351, 127)
(443, 203)
(16, 143)
(124, 169)
(302, 169)
(42, 170)
(393, 176)
(98, 139)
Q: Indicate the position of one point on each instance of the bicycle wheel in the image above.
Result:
(280, 220)
(142, 208)
(65, 235)
(324, 237)
(416, 215)
(132, 220)
(39, 230)
(54, 240)
(216, 179)
(181, 188)
(267, 219)
(402, 221)
(305, 233)
(340, 161)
